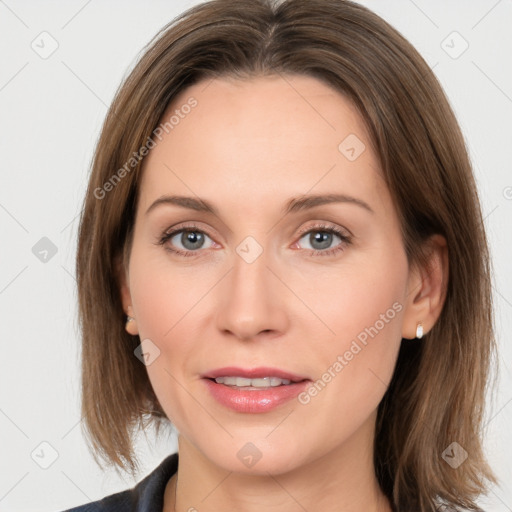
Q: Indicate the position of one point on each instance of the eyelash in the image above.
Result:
(321, 228)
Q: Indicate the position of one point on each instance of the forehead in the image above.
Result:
(258, 138)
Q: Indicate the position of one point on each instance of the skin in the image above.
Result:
(248, 147)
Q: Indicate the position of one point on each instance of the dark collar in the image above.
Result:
(146, 496)
(149, 492)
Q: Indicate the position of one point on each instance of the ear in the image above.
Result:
(427, 287)
(126, 298)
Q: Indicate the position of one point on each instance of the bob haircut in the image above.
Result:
(438, 390)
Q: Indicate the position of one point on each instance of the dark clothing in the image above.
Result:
(146, 496)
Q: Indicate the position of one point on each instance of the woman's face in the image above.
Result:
(298, 274)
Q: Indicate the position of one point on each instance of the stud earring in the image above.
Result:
(131, 325)
(419, 331)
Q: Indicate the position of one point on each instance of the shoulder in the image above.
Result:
(115, 502)
(146, 496)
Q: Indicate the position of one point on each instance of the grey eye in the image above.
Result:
(189, 240)
(320, 240)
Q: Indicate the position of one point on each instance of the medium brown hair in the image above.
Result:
(437, 393)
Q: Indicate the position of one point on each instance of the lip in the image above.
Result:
(251, 400)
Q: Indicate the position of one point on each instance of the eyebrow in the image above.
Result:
(310, 201)
(294, 205)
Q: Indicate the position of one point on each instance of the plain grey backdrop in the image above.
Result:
(61, 62)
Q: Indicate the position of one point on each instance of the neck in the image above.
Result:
(342, 479)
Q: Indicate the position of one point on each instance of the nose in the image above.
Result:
(252, 301)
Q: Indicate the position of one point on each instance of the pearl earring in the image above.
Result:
(419, 331)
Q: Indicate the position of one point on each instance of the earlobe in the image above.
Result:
(131, 323)
(427, 290)
(126, 299)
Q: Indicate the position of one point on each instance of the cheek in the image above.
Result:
(364, 309)
(163, 299)
(164, 294)
(361, 299)
(167, 300)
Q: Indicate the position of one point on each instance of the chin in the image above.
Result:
(258, 457)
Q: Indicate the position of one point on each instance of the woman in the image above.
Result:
(282, 253)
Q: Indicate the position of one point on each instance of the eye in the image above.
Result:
(322, 238)
(186, 241)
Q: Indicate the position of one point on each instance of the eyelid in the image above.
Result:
(326, 225)
(191, 225)
(187, 226)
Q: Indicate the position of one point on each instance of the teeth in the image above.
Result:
(242, 382)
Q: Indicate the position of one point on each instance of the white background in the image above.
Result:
(51, 111)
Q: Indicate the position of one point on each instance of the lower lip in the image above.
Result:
(254, 401)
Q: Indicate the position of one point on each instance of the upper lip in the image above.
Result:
(252, 373)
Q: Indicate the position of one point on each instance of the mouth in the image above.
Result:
(262, 377)
(260, 383)
(253, 390)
